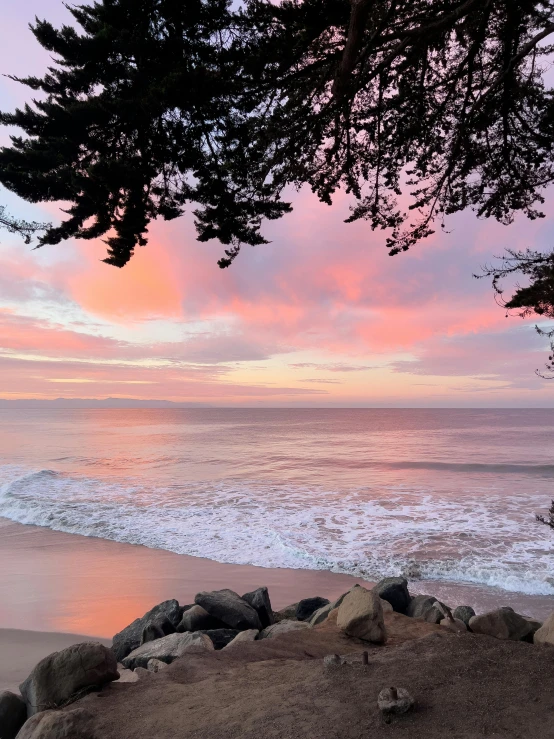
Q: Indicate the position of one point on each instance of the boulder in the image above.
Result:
(394, 701)
(168, 649)
(197, 619)
(321, 614)
(13, 714)
(283, 627)
(288, 613)
(221, 637)
(464, 613)
(361, 615)
(419, 605)
(395, 590)
(545, 635)
(155, 665)
(74, 724)
(259, 600)
(129, 638)
(436, 613)
(229, 607)
(156, 629)
(454, 624)
(308, 606)
(339, 600)
(61, 675)
(386, 606)
(504, 623)
(243, 637)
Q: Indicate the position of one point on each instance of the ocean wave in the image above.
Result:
(487, 540)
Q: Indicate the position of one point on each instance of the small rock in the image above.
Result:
(156, 629)
(545, 635)
(464, 613)
(198, 619)
(283, 627)
(308, 606)
(155, 665)
(321, 614)
(504, 623)
(332, 660)
(229, 607)
(13, 714)
(454, 624)
(143, 673)
(419, 605)
(221, 637)
(129, 638)
(286, 614)
(361, 615)
(394, 701)
(168, 649)
(395, 590)
(386, 606)
(125, 675)
(243, 637)
(259, 600)
(61, 675)
(72, 724)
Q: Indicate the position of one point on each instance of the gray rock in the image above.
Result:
(504, 623)
(155, 665)
(321, 614)
(419, 605)
(464, 613)
(259, 600)
(129, 638)
(545, 635)
(73, 724)
(13, 714)
(288, 613)
(243, 637)
(196, 619)
(394, 701)
(395, 590)
(142, 673)
(435, 614)
(361, 615)
(229, 607)
(168, 649)
(156, 629)
(61, 675)
(283, 627)
(308, 606)
(332, 660)
(221, 637)
(339, 600)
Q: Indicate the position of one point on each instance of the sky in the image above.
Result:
(320, 317)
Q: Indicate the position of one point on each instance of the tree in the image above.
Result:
(26, 229)
(417, 109)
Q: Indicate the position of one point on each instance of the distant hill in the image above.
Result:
(95, 403)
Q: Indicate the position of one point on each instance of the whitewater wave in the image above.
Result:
(488, 540)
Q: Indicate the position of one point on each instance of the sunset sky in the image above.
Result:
(322, 316)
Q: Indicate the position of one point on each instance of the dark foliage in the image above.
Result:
(26, 229)
(550, 520)
(417, 109)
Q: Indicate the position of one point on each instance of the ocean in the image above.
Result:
(447, 496)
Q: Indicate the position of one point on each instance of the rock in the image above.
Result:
(419, 605)
(271, 632)
(259, 600)
(332, 660)
(229, 607)
(308, 606)
(74, 724)
(504, 623)
(464, 613)
(168, 649)
(386, 606)
(436, 613)
(129, 638)
(339, 600)
(243, 637)
(454, 624)
(126, 676)
(534, 626)
(156, 629)
(221, 637)
(143, 673)
(394, 701)
(155, 665)
(13, 714)
(198, 619)
(545, 635)
(286, 614)
(61, 675)
(321, 614)
(361, 615)
(395, 590)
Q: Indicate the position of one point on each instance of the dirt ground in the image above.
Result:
(465, 686)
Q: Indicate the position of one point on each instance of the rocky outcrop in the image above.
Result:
(221, 637)
(196, 619)
(545, 635)
(229, 607)
(504, 623)
(283, 627)
(129, 638)
(74, 724)
(464, 613)
(395, 590)
(13, 714)
(243, 637)
(361, 615)
(62, 675)
(308, 606)
(168, 649)
(260, 602)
